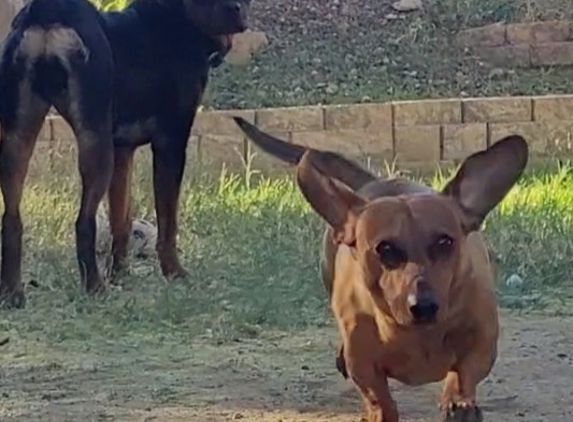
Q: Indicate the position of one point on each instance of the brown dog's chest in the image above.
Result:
(416, 359)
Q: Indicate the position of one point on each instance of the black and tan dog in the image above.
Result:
(121, 80)
(407, 270)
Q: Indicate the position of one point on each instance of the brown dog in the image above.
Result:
(407, 270)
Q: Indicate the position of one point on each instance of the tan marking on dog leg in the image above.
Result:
(119, 196)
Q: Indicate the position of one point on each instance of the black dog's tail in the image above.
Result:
(42, 13)
(49, 43)
(337, 167)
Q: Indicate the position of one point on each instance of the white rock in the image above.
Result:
(407, 5)
(514, 281)
(142, 239)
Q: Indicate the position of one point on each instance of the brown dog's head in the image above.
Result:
(410, 247)
(218, 17)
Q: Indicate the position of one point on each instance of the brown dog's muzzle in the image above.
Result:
(422, 303)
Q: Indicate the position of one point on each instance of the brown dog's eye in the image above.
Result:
(442, 247)
(390, 255)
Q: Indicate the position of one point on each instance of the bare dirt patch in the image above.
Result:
(278, 377)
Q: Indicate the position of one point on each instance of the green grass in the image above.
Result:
(350, 54)
(252, 252)
(347, 52)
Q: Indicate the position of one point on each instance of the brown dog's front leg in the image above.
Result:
(119, 196)
(379, 405)
(168, 167)
(458, 401)
(458, 404)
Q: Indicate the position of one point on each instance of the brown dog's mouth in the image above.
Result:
(429, 320)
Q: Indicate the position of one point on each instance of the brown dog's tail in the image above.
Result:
(336, 166)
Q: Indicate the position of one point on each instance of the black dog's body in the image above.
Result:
(120, 79)
(161, 71)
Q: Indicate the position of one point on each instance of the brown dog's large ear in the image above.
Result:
(486, 177)
(335, 202)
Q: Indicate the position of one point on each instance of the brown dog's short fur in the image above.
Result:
(407, 271)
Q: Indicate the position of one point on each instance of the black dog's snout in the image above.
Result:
(233, 8)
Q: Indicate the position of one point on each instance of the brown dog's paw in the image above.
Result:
(462, 412)
(13, 300)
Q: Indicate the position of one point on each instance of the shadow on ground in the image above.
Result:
(280, 377)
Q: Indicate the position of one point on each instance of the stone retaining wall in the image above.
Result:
(407, 134)
(522, 44)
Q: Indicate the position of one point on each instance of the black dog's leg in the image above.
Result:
(21, 123)
(96, 166)
(168, 167)
(87, 108)
(119, 196)
(341, 362)
(95, 160)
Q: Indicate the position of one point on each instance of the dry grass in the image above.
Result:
(249, 333)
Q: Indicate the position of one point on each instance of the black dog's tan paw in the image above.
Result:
(462, 412)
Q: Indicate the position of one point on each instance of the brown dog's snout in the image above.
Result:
(422, 303)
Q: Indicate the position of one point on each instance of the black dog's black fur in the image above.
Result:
(120, 79)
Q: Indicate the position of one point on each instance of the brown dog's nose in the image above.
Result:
(423, 307)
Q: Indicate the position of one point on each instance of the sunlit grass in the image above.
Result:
(252, 252)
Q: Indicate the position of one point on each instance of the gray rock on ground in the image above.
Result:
(142, 239)
(407, 5)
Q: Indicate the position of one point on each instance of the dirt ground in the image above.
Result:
(278, 378)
